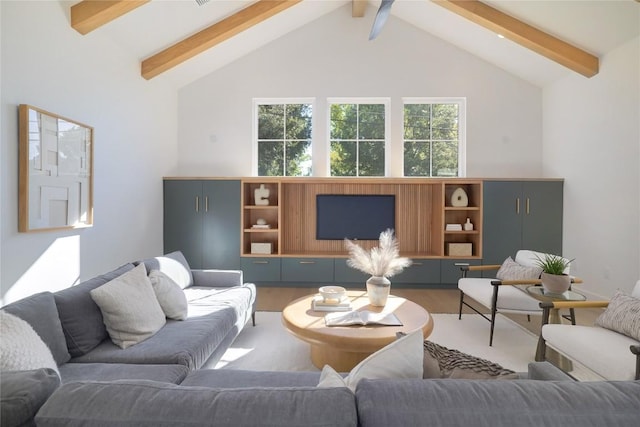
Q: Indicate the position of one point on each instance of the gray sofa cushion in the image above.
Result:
(40, 312)
(237, 378)
(23, 393)
(187, 342)
(120, 371)
(147, 403)
(447, 402)
(80, 317)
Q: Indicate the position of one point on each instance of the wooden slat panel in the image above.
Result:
(524, 34)
(213, 35)
(417, 228)
(88, 15)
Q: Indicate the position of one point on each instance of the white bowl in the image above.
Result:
(332, 293)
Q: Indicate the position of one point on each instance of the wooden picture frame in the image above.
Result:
(55, 183)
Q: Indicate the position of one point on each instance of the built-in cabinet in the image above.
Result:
(201, 219)
(217, 223)
(521, 215)
(286, 226)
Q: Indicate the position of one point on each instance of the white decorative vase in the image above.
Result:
(378, 288)
(555, 283)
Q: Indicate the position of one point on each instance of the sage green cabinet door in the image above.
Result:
(502, 222)
(183, 220)
(521, 215)
(221, 224)
(202, 219)
(542, 217)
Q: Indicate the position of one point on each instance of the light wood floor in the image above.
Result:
(433, 300)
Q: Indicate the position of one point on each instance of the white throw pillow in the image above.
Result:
(170, 295)
(21, 348)
(129, 307)
(400, 359)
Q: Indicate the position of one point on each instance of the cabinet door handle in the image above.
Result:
(206, 203)
(518, 205)
(261, 262)
(197, 203)
(307, 262)
(527, 206)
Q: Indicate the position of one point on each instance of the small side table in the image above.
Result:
(538, 293)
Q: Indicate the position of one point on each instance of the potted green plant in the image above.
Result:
(553, 277)
(380, 262)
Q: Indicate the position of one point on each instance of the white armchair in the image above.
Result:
(611, 354)
(500, 296)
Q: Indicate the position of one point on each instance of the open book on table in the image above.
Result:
(364, 317)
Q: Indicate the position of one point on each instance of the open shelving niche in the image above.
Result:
(252, 212)
(422, 210)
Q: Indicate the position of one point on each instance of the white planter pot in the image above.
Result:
(555, 283)
(378, 290)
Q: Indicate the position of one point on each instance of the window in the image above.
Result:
(358, 137)
(434, 137)
(283, 136)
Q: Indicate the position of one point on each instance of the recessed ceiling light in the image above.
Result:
(500, 36)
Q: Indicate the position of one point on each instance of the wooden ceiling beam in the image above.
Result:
(88, 15)
(524, 34)
(358, 7)
(213, 35)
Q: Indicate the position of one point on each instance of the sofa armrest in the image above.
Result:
(635, 349)
(546, 371)
(217, 278)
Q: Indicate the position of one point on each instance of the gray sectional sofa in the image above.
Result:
(164, 380)
(71, 324)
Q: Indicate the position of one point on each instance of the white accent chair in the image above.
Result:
(609, 354)
(501, 296)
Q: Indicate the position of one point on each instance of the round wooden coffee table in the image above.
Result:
(343, 347)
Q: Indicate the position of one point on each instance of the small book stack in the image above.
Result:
(320, 304)
(453, 227)
(261, 226)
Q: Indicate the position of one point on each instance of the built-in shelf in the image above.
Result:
(422, 210)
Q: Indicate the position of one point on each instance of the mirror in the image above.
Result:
(55, 172)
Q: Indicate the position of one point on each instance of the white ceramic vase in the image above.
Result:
(378, 288)
(555, 283)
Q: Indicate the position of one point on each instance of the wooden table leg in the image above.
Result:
(341, 361)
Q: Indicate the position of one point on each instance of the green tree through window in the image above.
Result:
(432, 139)
(284, 139)
(357, 138)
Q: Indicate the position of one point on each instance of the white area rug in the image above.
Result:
(269, 347)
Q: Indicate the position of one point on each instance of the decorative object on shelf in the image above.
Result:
(261, 223)
(459, 249)
(380, 262)
(261, 248)
(261, 196)
(453, 227)
(553, 277)
(468, 226)
(459, 198)
(55, 171)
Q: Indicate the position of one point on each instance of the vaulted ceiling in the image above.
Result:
(183, 40)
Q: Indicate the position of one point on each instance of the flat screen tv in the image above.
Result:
(351, 216)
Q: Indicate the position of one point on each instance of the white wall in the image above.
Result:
(49, 65)
(592, 138)
(332, 57)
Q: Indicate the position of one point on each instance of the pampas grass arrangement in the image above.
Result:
(382, 261)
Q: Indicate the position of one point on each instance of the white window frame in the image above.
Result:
(462, 126)
(387, 127)
(277, 101)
